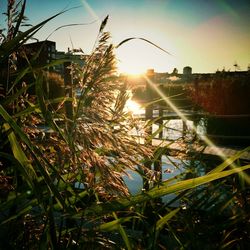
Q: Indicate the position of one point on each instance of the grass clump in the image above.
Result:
(61, 173)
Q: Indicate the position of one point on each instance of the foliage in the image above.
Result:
(176, 92)
(53, 89)
(39, 169)
(225, 98)
(61, 173)
(216, 95)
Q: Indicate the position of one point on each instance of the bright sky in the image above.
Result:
(206, 35)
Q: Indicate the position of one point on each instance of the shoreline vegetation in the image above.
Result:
(222, 99)
(62, 162)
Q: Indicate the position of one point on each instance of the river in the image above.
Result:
(171, 167)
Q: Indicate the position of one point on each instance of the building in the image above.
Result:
(187, 71)
(44, 52)
(38, 54)
(74, 56)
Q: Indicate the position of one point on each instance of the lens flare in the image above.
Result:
(193, 127)
(90, 10)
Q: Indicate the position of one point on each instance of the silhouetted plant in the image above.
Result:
(61, 176)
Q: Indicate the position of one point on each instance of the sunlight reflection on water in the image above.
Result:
(172, 130)
(134, 107)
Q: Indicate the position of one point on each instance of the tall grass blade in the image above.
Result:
(160, 191)
(123, 234)
(7, 48)
(20, 19)
(113, 225)
(229, 161)
(163, 221)
(11, 98)
(27, 169)
(35, 152)
(45, 112)
(143, 39)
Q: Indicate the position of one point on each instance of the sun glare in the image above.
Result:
(194, 128)
(131, 68)
(134, 107)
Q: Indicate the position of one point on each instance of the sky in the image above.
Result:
(206, 35)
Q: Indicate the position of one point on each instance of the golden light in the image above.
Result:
(134, 107)
(194, 128)
(131, 68)
(137, 56)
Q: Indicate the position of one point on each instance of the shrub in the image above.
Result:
(222, 95)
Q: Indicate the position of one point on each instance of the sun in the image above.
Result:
(131, 68)
(131, 61)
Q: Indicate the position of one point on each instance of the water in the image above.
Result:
(172, 128)
(171, 167)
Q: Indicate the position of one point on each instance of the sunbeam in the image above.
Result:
(193, 127)
(90, 10)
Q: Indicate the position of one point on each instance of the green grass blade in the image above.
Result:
(45, 112)
(229, 161)
(28, 111)
(113, 225)
(14, 97)
(8, 47)
(160, 191)
(143, 39)
(20, 19)
(162, 221)
(26, 168)
(35, 153)
(123, 234)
